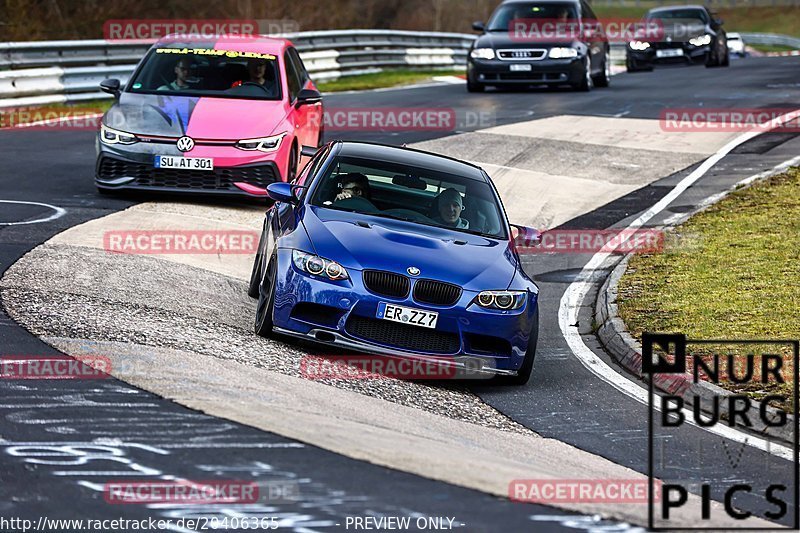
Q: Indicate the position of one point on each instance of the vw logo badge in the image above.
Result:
(412, 271)
(185, 144)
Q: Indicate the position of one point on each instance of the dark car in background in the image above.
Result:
(559, 43)
(689, 34)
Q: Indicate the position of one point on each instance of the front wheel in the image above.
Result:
(603, 79)
(291, 167)
(585, 85)
(525, 370)
(266, 299)
(255, 274)
(475, 87)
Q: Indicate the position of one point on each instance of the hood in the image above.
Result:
(502, 40)
(471, 261)
(198, 117)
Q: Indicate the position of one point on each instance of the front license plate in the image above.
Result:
(184, 163)
(407, 315)
(669, 52)
(520, 68)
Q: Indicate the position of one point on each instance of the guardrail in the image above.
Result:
(35, 73)
(771, 39)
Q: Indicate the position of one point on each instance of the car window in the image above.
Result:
(414, 194)
(503, 16)
(587, 11)
(192, 69)
(299, 66)
(680, 14)
(311, 167)
(292, 78)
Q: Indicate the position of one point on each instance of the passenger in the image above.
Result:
(450, 205)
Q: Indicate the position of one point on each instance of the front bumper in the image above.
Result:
(343, 314)
(689, 54)
(131, 167)
(543, 71)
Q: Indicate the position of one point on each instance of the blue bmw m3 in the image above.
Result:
(397, 252)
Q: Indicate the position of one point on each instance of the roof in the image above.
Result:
(410, 156)
(249, 43)
(676, 7)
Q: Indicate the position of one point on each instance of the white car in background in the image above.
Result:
(736, 44)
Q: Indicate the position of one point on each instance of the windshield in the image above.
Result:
(413, 194)
(673, 15)
(505, 14)
(204, 71)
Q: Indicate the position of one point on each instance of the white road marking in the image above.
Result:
(576, 292)
(58, 212)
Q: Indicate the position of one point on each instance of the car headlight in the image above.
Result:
(112, 136)
(700, 41)
(262, 144)
(562, 53)
(501, 299)
(482, 53)
(317, 266)
(639, 45)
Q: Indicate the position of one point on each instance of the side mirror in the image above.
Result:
(525, 237)
(719, 21)
(281, 192)
(308, 151)
(110, 86)
(478, 26)
(307, 97)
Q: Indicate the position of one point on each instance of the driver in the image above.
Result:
(450, 205)
(181, 75)
(354, 185)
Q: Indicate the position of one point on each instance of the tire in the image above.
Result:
(604, 79)
(475, 87)
(255, 274)
(586, 84)
(524, 372)
(727, 61)
(712, 60)
(291, 168)
(266, 300)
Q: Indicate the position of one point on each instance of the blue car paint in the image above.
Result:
(474, 262)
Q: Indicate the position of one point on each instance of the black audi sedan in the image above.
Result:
(688, 34)
(551, 42)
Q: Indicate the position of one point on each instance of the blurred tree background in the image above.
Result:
(31, 20)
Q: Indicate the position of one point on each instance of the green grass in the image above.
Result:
(377, 80)
(737, 280)
(762, 19)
